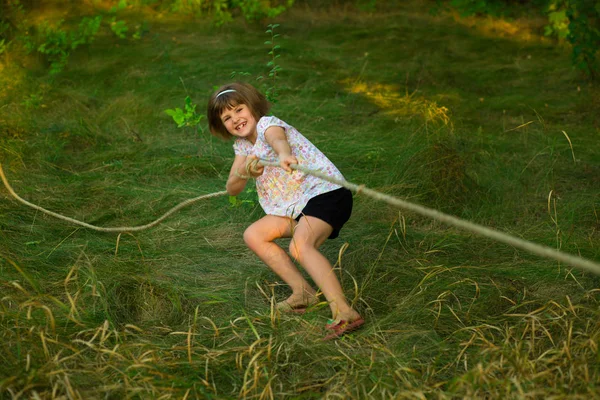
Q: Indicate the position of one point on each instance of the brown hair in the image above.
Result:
(243, 93)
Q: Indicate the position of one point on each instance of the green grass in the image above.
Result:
(184, 310)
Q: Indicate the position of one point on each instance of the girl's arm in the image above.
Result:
(275, 136)
(235, 183)
(240, 173)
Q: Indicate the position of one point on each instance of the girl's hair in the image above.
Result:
(235, 93)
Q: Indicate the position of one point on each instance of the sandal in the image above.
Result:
(285, 307)
(343, 327)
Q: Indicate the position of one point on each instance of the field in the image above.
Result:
(481, 118)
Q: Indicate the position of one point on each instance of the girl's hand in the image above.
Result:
(286, 160)
(253, 167)
(276, 138)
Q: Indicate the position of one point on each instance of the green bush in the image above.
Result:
(222, 11)
(577, 21)
(254, 10)
(584, 34)
(57, 43)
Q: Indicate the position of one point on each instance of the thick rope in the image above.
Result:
(542, 251)
(100, 228)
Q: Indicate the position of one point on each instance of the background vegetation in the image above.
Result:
(475, 108)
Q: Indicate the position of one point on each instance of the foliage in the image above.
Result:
(118, 27)
(275, 68)
(246, 197)
(584, 34)
(57, 43)
(577, 21)
(270, 82)
(558, 21)
(186, 117)
(11, 20)
(221, 13)
(254, 10)
(222, 10)
(12, 15)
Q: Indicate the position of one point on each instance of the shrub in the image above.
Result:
(222, 10)
(57, 43)
(584, 34)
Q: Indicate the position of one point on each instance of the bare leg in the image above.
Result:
(260, 236)
(309, 235)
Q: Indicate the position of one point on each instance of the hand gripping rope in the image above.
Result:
(542, 251)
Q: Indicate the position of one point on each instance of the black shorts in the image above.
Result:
(332, 207)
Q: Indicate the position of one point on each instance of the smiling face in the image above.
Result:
(239, 121)
(234, 103)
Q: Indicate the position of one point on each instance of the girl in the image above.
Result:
(300, 206)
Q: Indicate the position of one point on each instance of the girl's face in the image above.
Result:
(240, 122)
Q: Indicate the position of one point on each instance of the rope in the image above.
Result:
(121, 229)
(542, 251)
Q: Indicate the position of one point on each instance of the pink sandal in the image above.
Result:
(342, 327)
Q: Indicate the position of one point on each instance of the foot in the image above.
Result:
(297, 302)
(343, 327)
(348, 317)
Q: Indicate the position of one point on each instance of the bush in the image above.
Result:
(584, 34)
(57, 44)
(222, 10)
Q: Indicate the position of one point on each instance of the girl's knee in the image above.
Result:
(255, 235)
(251, 236)
(298, 247)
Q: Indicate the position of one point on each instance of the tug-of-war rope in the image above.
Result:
(537, 249)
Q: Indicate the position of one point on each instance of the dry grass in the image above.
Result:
(58, 350)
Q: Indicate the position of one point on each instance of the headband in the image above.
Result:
(225, 91)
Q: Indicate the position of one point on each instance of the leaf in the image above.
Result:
(177, 115)
(188, 102)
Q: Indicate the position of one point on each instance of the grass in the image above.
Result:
(487, 122)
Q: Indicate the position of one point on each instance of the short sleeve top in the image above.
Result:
(279, 192)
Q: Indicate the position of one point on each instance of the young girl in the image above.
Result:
(299, 206)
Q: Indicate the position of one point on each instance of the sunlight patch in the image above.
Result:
(390, 99)
(494, 27)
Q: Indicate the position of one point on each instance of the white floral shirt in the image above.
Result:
(279, 192)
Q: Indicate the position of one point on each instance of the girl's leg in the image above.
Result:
(309, 235)
(260, 236)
